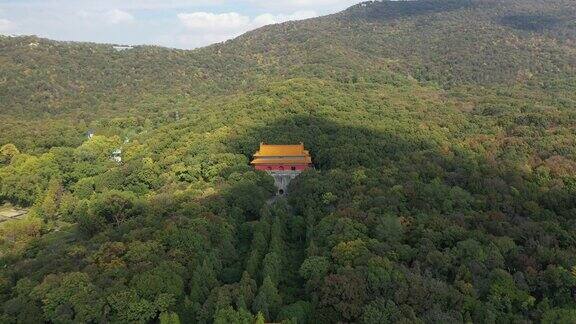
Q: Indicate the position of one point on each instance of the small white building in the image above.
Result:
(120, 48)
(116, 156)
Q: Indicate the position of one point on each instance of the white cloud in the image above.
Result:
(203, 28)
(110, 17)
(117, 16)
(268, 19)
(6, 25)
(232, 21)
(205, 21)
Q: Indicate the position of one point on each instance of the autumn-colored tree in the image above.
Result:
(342, 296)
(7, 153)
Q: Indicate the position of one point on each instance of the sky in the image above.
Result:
(174, 23)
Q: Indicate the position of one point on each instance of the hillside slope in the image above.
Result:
(449, 43)
(443, 135)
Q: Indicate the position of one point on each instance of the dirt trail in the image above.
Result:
(9, 212)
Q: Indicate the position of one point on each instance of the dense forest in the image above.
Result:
(443, 134)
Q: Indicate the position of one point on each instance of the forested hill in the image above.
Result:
(447, 43)
(450, 42)
(443, 134)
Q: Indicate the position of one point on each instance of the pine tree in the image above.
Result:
(247, 292)
(268, 300)
(204, 280)
(260, 318)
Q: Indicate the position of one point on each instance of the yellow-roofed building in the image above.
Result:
(283, 162)
(282, 158)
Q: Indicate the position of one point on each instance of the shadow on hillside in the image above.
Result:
(335, 145)
(530, 22)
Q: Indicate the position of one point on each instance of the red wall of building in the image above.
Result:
(276, 167)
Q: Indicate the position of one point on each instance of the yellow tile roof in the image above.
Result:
(281, 150)
(301, 160)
